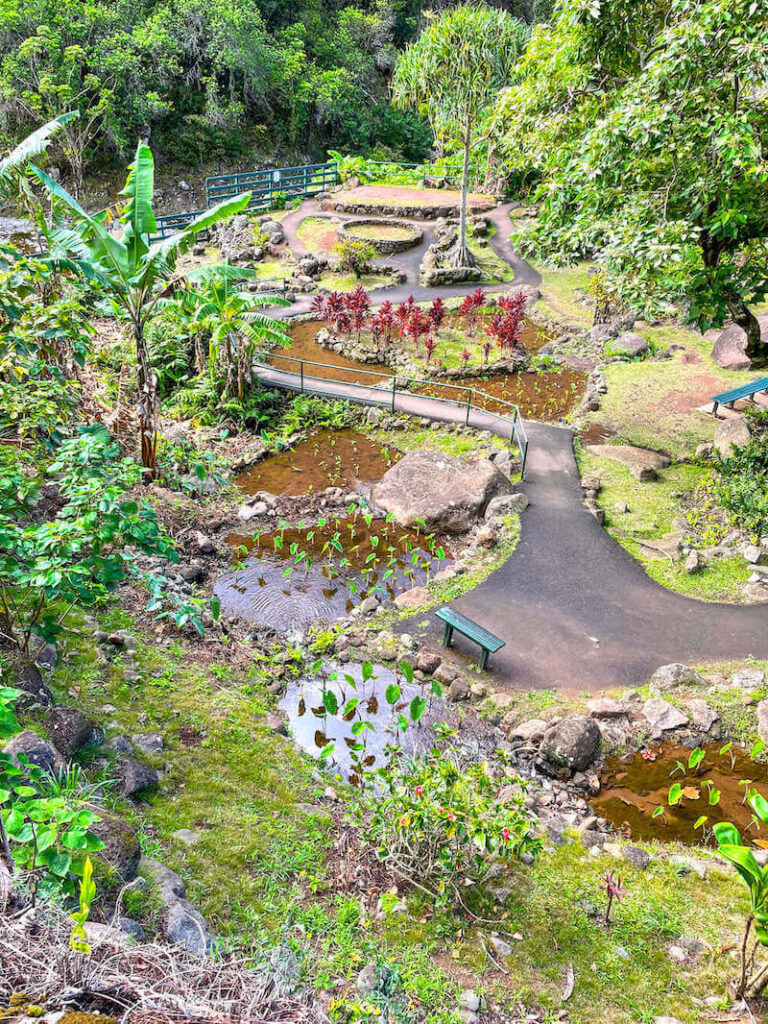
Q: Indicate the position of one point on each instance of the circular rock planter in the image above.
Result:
(385, 236)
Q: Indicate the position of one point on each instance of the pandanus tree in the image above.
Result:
(452, 74)
(134, 271)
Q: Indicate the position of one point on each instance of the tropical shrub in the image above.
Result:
(443, 823)
(354, 257)
(742, 485)
(86, 549)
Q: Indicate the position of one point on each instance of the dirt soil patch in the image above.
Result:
(380, 195)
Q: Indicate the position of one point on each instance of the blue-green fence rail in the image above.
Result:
(268, 187)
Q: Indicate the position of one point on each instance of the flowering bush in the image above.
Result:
(442, 823)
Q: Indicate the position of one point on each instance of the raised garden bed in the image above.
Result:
(386, 237)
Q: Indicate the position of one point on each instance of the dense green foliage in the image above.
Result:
(648, 120)
(742, 486)
(207, 78)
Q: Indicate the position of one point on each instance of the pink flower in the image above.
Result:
(505, 833)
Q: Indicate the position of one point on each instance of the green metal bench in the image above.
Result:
(455, 620)
(745, 391)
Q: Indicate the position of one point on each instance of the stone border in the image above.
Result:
(383, 246)
(425, 212)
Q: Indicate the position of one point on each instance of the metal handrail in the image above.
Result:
(518, 433)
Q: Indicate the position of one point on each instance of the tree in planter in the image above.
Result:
(452, 74)
(648, 123)
(133, 271)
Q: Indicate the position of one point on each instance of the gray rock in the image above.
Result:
(42, 652)
(469, 1000)
(628, 344)
(502, 948)
(642, 463)
(35, 694)
(506, 504)
(637, 857)
(168, 883)
(129, 927)
(447, 493)
(730, 434)
(285, 969)
(762, 720)
(753, 554)
(730, 348)
(605, 707)
(204, 545)
(148, 742)
(572, 744)
(458, 690)
(187, 837)
(367, 980)
(692, 562)
(749, 679)
(702, 715)
(122, 851)
(70, 730)
(119, 744)
(622, 953)
(661, 715)
(34, 748)
(670, 678)
(184, 925)
(428, 662)
(369, 605)
(531, 731)
(134, 776)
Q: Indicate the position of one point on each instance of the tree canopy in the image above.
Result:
(647, 121)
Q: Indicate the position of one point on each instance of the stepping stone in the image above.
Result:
(642, 463)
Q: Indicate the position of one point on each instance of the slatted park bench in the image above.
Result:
(745, 391)
(455, 620)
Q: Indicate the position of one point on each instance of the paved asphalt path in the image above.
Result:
(576, 611)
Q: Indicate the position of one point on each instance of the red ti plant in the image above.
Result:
(387, 320)
(318, 306)
(465, 356)
(357, 304)
(334, 307)
(470, 307)
(401, 315)
(436, 314)
(430, 344)
(614, 890)
(487, 349)
(343, 322)
(417, 324)
(513, 310)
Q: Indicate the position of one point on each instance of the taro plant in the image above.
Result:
(752, 980)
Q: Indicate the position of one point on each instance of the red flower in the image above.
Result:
(505, 833)
(419, 791)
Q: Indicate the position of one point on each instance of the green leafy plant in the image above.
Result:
(86, 549)
(78, 939)
(752, 981)
(442, 822)
(354, 257)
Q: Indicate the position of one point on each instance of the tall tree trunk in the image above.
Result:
(146, 406)
(743, 316)
(461, 256)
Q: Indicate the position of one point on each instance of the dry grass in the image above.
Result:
(138, 984)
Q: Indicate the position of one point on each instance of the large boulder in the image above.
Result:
(729, 351)
(447, 493)
(628, 344)
(572, 744)
(641, 462)
(730, 434)
(661, 715)
(133, 776)
(670, 678)
(34, 748)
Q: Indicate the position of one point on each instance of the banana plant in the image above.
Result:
(234, 324)
(12, 178)
(752, 982)
(134, 272)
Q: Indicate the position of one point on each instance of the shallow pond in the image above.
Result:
(548, 395)
(336, 367)
(356, 747)
(292, 577)
(633, 787)
(328, 458)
